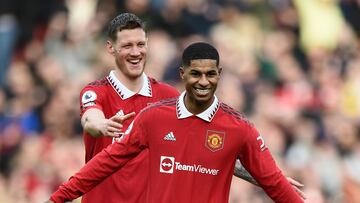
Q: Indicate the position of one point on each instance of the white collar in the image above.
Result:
(206, 115)
(124, 92)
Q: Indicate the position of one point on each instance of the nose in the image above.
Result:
(135, 51)
(203, 81)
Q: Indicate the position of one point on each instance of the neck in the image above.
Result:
(133, 84)
(196, 107)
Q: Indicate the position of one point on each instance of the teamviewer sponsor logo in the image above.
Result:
(167, 164)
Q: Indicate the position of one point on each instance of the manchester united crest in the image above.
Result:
(214, 140)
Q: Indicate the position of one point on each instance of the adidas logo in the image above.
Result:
(170, 136)
(120, 113)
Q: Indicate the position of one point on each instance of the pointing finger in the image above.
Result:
(121, 119)
(129, 115)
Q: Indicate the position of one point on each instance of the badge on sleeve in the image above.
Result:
(88, 96)
(214, 140)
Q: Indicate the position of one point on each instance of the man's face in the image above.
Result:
(129, 51)
(200, 79)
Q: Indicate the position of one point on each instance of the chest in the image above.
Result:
(193, 141)
(112, 103)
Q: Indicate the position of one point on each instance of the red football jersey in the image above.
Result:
(112, 97)
(192, 157)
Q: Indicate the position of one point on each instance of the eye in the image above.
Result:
(194, 73)
(141, 44)
(212, 74)
(126, 46)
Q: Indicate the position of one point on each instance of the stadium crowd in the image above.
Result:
(292, 67)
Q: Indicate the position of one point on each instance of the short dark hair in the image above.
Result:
(199, 50)
(122, 22)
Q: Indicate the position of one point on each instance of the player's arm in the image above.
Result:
(102, 165)
(256, 158)
(95, 171)
(241, 172)
(95, 123)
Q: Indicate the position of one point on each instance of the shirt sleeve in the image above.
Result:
(90, 97)
(103, 164)
(257, 160)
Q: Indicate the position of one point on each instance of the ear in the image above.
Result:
(220, 70)
(181, 72)
(110, 47)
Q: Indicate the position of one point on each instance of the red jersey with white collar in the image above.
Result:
(191, 158)
(112, 97)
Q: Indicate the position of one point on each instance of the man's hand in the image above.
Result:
(95, 123)
(113, 126)
(297, 185)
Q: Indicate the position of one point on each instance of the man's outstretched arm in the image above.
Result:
(96, 170)
(95, 123)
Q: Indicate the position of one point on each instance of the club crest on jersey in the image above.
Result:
(88, 96)
(214, 140)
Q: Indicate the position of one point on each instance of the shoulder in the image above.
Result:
(154, 112)
(99, 83)
(170, 102)
(94, 89)
(235, 115)
(96, 85)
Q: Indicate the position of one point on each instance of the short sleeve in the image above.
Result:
(90, 97)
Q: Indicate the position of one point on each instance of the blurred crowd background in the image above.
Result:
(292, 67)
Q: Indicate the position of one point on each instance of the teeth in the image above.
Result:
(202, 91)
(134, 61)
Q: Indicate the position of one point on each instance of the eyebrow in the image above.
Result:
(207, 72)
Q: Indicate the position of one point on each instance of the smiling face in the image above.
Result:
(200, 78)
(129, 51)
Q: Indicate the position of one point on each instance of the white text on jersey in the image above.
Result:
(168, 164)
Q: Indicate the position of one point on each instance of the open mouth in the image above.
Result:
(134, 61)
(201, 91)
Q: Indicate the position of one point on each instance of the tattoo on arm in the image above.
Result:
(242, 173)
